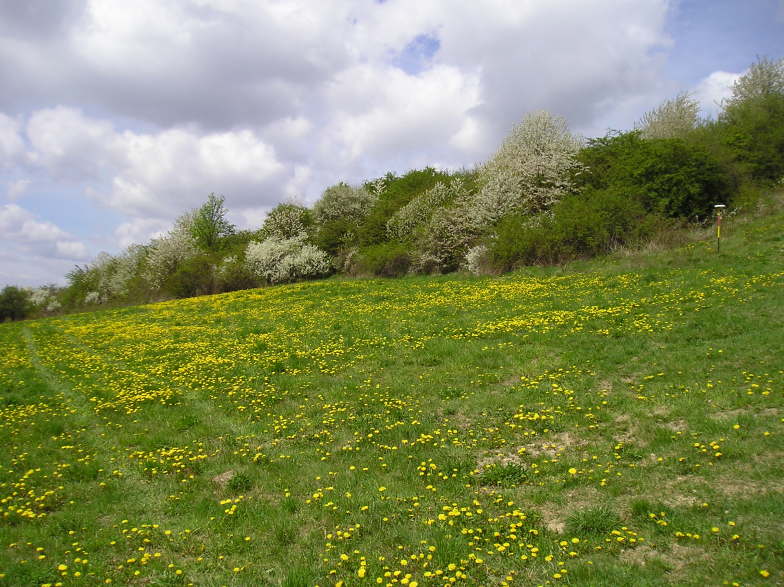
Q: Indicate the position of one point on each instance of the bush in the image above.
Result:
(674, 118)
(233, 274)
(753, 130)
(580, 226)
(286, 221)
(14, 304)
(443, 242)
(419, 210)
(392, 194)
(392, 259)
(341, 202)
(667, 176)
(195, 276)
(167, 253)
(44, 300)
(531, 171)
(284, 260)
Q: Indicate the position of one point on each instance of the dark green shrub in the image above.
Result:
(391, 259)
(753, 130)
(335, 236)
(14, 304)
(670, 177)
(194, 276)
(233, 274)
(580, 226)
(397, 192)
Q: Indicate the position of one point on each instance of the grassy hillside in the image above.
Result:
(615, 422)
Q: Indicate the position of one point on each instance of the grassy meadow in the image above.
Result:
(611, 422)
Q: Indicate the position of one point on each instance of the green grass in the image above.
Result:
(609, 422)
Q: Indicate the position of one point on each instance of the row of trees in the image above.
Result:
(546, 196)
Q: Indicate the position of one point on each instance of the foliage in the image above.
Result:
(165, 254)
(478, 260)
(82, 280)
(592, 223)
(393, 193)
(45, 299)
(193, 276)
(390, 259)
(232, 273)
(765, 77)
(338, 215)
(402, 225)
(674, 118)
(667, 176)
(14, 303)
(443, 242)
(286, 221)
(341, 202)
(753, 131)
(209, 224)
(531, 171)
(283, 260)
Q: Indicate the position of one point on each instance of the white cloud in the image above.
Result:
(17, 188)
(16, 222)
(157, 175)
(24, 237)
(140, 230)
(713, 89)
(71, 249)
(384, 115)
(11, 145)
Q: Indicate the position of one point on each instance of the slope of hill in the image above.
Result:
(614, 422)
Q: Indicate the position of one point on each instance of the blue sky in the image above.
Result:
(116, 117)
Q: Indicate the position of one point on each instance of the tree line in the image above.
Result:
(546, 196)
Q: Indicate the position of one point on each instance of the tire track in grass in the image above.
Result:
(189, 399)
(91, 430)
(139, 499)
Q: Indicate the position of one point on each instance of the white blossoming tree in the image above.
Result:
(277, 260)
(672, 119)
(166, 253)
(530, 172)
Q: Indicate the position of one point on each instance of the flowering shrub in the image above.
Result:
(343, 202)
(45, 299)
(286, 221)
(445, 240)
(531, 171)
(477, 259)
(166, 253)
(93, 297)
(674, 118)
(419, 210)
(282, 260)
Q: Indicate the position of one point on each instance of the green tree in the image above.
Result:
(752, 123)
(210, 225)
(14, 303)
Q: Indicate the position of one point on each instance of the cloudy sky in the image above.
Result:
(116, 116)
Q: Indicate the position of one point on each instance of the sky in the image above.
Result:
(116, 117)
